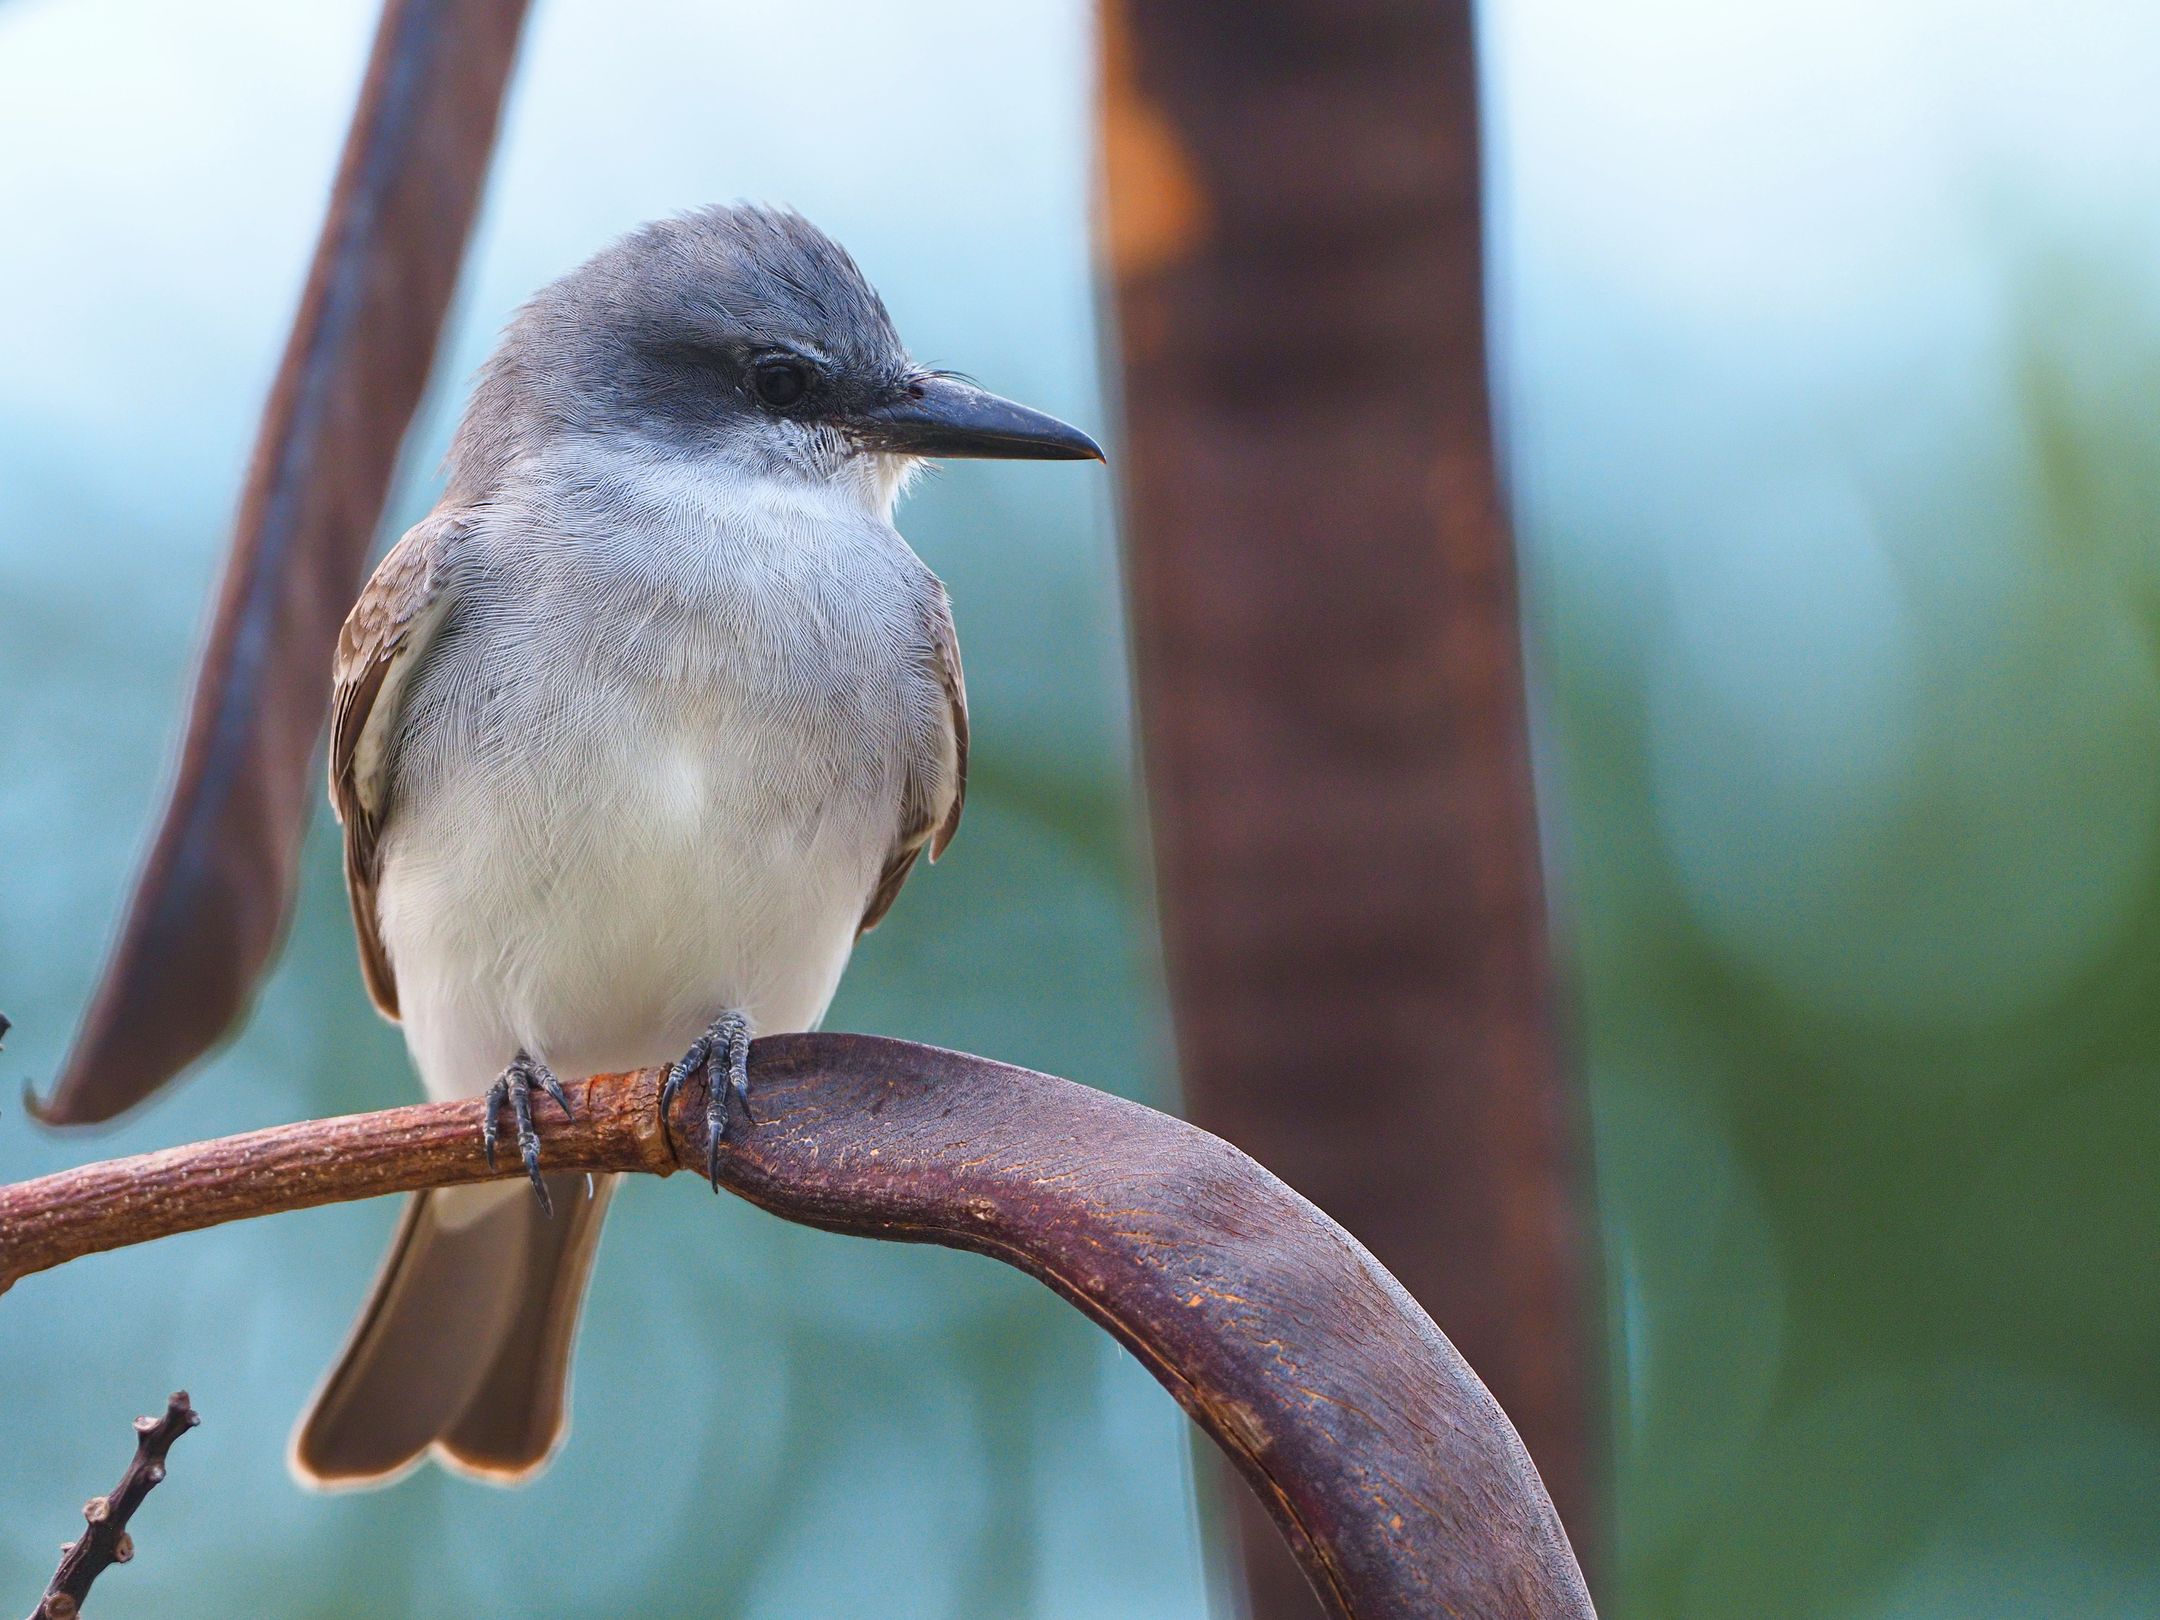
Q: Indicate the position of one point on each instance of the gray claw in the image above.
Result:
(681, 1070)
(555, 1090)
(515, 1087)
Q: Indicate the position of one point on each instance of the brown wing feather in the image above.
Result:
(947, 640)
(384, 636)
(936, 784)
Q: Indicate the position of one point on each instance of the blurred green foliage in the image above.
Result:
(1860, 850)
(1830, 338)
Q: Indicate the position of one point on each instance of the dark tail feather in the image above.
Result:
(518, 1416)
(465, 1344)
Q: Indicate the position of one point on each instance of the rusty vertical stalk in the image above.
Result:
(1329, 665)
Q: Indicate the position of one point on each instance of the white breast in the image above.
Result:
(648, 773)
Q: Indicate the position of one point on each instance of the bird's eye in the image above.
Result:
(780, 383)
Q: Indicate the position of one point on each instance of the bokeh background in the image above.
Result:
(1828, 338)
(1830, 334)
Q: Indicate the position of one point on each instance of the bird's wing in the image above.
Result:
(385, 637)
(936, 767)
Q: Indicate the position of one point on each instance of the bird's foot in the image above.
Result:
(515, 1087)
(723, 1052)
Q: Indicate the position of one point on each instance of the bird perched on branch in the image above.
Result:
(631, 738)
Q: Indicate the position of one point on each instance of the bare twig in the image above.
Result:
(106, 1542)
(1381, 1458)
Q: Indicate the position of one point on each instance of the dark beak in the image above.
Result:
(943, 416)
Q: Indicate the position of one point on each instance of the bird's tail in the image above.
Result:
(464, 1346)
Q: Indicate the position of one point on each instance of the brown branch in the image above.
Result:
(1381, 1458)
(212, 898)
(106, 1542)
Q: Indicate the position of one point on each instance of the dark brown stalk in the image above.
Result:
(1376, 1452)
(213, 897)
(106, 1541)
(1330, 681)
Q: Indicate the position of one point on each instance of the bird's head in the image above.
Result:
(745, 334)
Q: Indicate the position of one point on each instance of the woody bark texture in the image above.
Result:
(1378, 1455)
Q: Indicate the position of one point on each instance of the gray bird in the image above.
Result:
(631, 738)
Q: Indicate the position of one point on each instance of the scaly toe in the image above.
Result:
(716, 1094)
(739, 1072)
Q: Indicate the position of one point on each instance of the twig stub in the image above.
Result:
(106, 1541)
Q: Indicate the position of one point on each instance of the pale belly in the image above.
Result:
(637, 786)
(600, 913)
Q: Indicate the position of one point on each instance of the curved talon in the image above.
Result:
(739, 1073)
(554, 1088)
(515, 1086)
(682, 1069)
